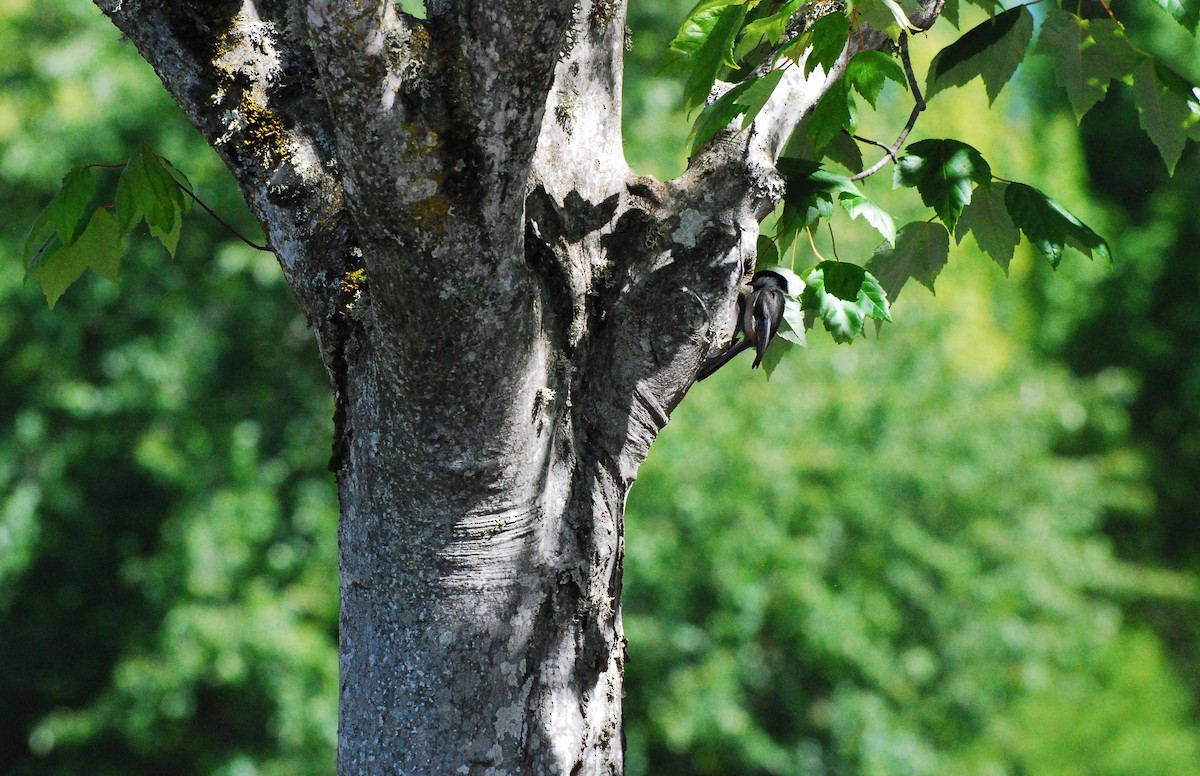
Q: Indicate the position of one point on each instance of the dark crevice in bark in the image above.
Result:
(592, 593)
(337, 376)
(200, 26)
(543, 228)
(345, 330)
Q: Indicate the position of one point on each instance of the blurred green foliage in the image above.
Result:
(890, 559)
(877, 564)
(1142, 321)
(167, 531)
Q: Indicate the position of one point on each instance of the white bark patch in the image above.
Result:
(691, 226)
(391, 87)
(510, 720)
(416, 189)
(248, 49)
(565, 723)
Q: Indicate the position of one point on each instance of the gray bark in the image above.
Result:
(531, 314)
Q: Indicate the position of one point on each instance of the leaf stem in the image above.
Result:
(812, 242)
(222, 221)
(886, 148)
(199, 202)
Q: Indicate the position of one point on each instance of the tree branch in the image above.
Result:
(918, 106)
(731, 185)
(793, 99)
(238, 72)
(369, 57)
(507, 52)
(579, 144)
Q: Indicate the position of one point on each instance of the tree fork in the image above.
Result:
(508, 317)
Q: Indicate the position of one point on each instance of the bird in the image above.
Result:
(760, 312)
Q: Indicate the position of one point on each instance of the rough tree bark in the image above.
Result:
(508, 316)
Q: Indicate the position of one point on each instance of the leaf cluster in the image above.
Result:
(78, 231)
(736, 51)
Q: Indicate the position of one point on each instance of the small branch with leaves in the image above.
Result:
(918, 107)
(740, 51)
(75, 232)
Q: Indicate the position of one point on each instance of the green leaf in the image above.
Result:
(1087, 55)
(845, 151)
(828, 40)
(991, 50)
(788, 226)
(887, 16)
(842, 148)
(40, 242)
(920, 251)
(988, 219)
(170, 237)
(746, 99)
(857, 205)
(943, 171)
(793, 318)
(181, 182)
(950, 12)
(756, 95)
(844, 295)
(715, 117)
(868, 71)
(1049, 226)
(1186, 12)
(148, 189)
(62, 216)
(97, 248)
(136, 191)
(766, 252)
(693, 34)
(703, 46)
(809, 190)
(834, 112)
(1168, 110)
(70, 204)
(780, 347)
(769, 28)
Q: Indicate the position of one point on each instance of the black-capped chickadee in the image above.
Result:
(760, 312)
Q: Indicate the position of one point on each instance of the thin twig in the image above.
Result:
(918, 106)
(886, 148)
(1111, 15)
(222, 221)
(198, 201)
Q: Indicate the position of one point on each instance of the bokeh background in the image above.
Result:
(968, 545)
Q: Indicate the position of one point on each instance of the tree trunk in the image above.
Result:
(508, 316)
